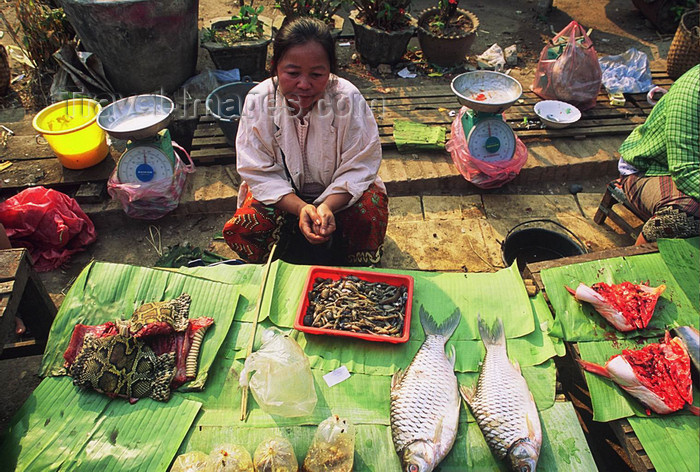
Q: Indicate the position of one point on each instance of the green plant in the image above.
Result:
(246, 25)
(681, 7)
(389, 15)
(319, 9)
(45, 30)
(447, 10)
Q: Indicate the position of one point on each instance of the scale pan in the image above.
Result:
(486, 91)
(136, 117)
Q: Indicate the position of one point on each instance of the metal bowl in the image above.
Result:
(486, 91)
(136, 117)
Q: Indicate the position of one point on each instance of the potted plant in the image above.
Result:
(446, 32)
(239, 42)
(324, 10)
(382, 29)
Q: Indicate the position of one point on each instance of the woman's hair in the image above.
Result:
(301, 31)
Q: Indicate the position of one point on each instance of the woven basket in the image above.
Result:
(685, 48)
(4, 72)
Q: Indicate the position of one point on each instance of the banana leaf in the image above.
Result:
(609, 401)
(682, 257)
(105, 292)
(672, 442)
(500, 294)
(564, 446)
(575, 321)
(61, 427)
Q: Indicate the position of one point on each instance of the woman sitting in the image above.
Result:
(308, 152)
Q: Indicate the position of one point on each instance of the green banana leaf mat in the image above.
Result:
(107, 291)
(676, 265)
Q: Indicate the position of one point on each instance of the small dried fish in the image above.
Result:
(354, 304)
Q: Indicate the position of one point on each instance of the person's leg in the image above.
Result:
(671, 213)
(253, 230)
(362, 228)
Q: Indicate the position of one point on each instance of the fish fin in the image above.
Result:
(430, 327)
(494, 336)
(452, 356)
(570, 290)
(438, 431)
(397, 378)
(467, 394)
(531, 433)
(693, 409)
(516, 364)
(593, 368)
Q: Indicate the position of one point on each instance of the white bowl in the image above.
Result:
(556, 114)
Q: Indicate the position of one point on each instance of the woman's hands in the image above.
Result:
(317, 224)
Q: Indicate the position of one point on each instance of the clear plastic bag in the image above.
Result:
(152, 200)
(275, 455)
(481, 173)
(568, 69)
(281, 382)
(229, 458)
(333, 447)
(628, 72)
(193, 461)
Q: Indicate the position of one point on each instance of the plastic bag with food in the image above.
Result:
(568, 69)
(193, 461)
(275, 455)
(229, 458)
(281, 382)
(333, 447)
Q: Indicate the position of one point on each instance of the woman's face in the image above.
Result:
(303, 73)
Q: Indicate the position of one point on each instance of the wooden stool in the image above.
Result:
(21, 291)
(614, 195)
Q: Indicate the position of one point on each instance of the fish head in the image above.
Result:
(523, 456)
(419, 456)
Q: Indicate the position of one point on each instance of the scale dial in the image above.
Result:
(491, 140)
(142, 164)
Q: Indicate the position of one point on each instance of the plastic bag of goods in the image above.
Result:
(333, 447)
(281, 382)
(229, 458)
(194, 461)
(275, 455)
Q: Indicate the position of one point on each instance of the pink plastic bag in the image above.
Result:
(481, 173)
(152, 200)
(48, 223)
(568, 69)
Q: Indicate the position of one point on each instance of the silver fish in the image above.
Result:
(425, 399)
(503, 405)
(691, 338)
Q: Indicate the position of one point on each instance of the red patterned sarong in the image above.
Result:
(358, 239)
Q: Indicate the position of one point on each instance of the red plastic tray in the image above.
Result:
(335, 273)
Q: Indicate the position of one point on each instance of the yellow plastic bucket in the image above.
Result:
(70, 127)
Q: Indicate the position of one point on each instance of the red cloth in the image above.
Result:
(255, 227)
(48, 223)
(180, 343)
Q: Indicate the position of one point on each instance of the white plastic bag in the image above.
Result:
(275, 455)
(281, 382)
(628, 72)
(229, 458)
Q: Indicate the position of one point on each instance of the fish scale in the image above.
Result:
(506, 424)
(503, 405)
(425, 398)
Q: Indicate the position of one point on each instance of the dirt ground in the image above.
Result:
(616, 25)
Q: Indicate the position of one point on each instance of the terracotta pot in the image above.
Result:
(249, 57)
(336, 29)
(376, 46)
(659, 13)
(441, 50)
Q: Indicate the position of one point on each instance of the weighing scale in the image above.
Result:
(141, 119)
(487, 94)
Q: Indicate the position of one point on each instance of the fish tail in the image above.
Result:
(693, 409)
(445, 329)
(494, 336)
(593, 368)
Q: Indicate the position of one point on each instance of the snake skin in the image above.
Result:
(173, 312)
(123, 366)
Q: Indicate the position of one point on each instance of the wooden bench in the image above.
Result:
(22, 292)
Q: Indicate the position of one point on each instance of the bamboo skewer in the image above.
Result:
(251, 341)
